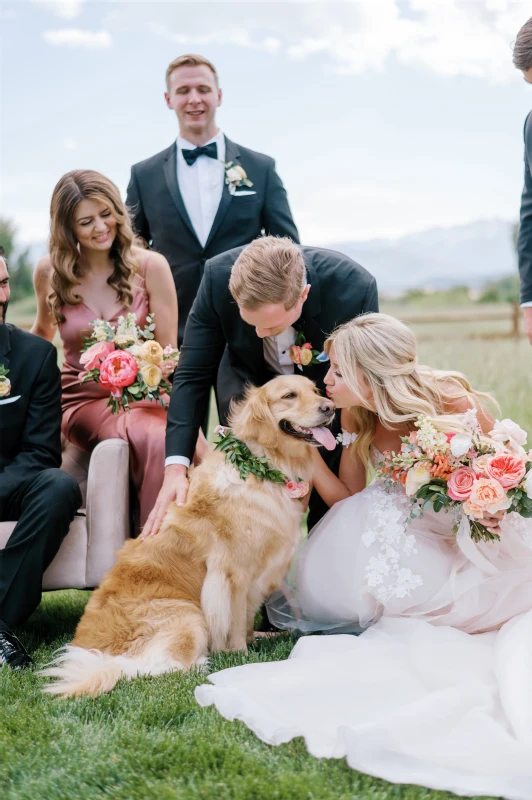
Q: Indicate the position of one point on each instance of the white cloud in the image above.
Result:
(65, 9)
(446, 37)
(70, 144)
(75, 37)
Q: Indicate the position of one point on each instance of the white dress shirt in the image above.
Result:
(276, 355)
(201, 185)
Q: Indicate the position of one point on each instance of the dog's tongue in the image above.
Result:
(324, 437)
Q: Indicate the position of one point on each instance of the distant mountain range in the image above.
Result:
(436, 258)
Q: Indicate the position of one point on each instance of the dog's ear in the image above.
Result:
(253, 420)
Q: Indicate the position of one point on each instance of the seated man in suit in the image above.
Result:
(256, 300)
(33, 490)
(192, 201)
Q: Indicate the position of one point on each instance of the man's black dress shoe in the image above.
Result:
(12, 652)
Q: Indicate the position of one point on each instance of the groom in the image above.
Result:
(187, 201)
(252, 303)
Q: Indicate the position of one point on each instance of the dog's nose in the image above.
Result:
(327, 406)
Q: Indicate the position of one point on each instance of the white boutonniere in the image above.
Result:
(235, 176)
(5, 383)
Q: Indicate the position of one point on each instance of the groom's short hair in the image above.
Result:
(190, 60)
(269, 270)
(522, 57)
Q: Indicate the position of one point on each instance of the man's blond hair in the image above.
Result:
(269, 270)
(189, 60)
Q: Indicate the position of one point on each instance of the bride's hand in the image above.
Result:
(492, 523)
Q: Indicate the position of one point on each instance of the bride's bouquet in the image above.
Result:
(464, 473)
(128, 361)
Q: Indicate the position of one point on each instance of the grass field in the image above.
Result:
(149, 739)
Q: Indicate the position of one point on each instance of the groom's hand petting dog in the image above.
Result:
(196, 586)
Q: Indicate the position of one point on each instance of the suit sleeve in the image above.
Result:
(524, 241)
(41, 439)
(134, 203)
(371, 300)
(201, 353)
(276, 215)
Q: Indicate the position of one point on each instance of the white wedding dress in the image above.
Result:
(437, 690)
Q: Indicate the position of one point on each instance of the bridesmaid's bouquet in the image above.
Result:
(464, 473)
(128, 361)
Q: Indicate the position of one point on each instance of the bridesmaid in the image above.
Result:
(95, 270)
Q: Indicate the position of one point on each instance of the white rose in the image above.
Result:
(416, 477)
(460, 444)
(527, 485)
(234, 174)
(509, 433)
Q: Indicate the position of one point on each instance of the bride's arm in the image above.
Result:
(351, 475)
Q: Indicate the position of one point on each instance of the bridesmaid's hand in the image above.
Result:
(175, 487)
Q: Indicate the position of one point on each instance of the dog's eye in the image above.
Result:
(289, 396)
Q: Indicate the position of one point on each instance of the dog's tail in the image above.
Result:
(91, 672)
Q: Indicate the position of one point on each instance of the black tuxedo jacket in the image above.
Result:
(160, 216)
(524, 242)
(340, 290)
(30, 426)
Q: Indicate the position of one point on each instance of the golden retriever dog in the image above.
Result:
(195, 587)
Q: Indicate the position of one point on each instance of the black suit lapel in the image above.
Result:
(232, 153)
(170, 174)
(5, 345)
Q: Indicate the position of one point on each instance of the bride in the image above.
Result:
(437, 689)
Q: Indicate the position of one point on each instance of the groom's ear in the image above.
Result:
(254, 421)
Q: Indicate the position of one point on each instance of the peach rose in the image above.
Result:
(118, 370)
(96, 353)
(151, 375)
(487, 496)
(479, 464)
(460, 483)
(295, 354)
(508, 469)
(5, 387)
(152, 352)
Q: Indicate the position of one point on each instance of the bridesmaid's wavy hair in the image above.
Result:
(384, 350)
(71, 189)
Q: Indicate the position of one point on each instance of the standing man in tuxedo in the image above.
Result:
(252, 303)
(523, 60)
(33, 490)
(188, 201)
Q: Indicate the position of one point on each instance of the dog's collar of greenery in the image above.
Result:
(240, 456)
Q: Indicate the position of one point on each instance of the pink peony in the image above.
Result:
(460, 483)
(118, 370)
(508, 469)
(96, 353)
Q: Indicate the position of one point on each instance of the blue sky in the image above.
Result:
(385, 117)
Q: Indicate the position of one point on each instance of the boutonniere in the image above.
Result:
(235, 176)
(302, 354)
(240, 456)
(5, 383)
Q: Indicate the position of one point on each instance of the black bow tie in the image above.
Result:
(210, 150)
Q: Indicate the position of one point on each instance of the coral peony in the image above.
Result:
(488, 496)
(118, 370)
(508, 469)
(460, 483)
(95, 354)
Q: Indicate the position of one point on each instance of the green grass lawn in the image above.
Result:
(149, 738)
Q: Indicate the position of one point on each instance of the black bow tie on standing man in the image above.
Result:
(210, 150)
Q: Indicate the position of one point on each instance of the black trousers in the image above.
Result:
(44, 506)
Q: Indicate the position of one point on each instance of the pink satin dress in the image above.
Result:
(87, 420)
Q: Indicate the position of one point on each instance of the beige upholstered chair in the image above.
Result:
(89, 549)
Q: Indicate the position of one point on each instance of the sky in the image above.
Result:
(385, 117)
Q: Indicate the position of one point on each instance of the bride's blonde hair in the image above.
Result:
(384, 350)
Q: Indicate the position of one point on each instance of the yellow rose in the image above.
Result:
(5, 387)
(306, 356)
(152, 352)
(151, 375)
